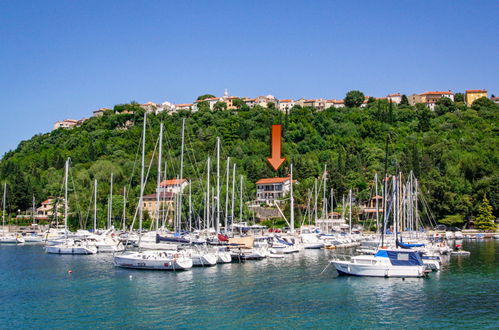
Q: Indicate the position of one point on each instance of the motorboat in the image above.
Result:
(11, 238)
(71, 246)
(311, 241)
(154, 260)
(385, 263)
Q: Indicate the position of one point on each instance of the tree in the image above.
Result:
(220, 106)
(459, 97)
(205, 96)
(444, 105)
(483, 102)
(485, 218)
(238, 103)
(424, 116)
(404, 100)
(354, 99)
(453, 220)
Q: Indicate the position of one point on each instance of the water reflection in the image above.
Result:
(289, 292)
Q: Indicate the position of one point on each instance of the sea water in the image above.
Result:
(39, 290)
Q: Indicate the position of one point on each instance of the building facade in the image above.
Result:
(271, 190)
(173, 186)
(166, 204)
(474, 94)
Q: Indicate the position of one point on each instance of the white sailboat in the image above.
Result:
(8, 238)
(69, 246)
(152, 259)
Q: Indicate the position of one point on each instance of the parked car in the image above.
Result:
(440, 227)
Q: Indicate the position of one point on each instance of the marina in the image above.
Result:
(61, 291)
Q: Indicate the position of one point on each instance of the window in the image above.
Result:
(403, 256)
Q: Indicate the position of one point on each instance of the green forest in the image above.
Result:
(453, 151)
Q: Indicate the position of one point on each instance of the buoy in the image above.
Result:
(130, 276)
(70, 271)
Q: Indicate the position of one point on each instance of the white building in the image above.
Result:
(394, 98)
(173, 186)
(272, 189)
(66, 123)
(286, 104)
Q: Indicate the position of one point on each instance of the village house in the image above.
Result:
(173, 186)
(149, 107)
(394, 98)
(184, 106)
(495, 99)
(66, 123)
(46, 210)
(473, 94)
(263, 101)
(166, 201)
(249, 102)
(370, 208)
(429, 98)
(270, 190)
(100, 112)
(285, 104)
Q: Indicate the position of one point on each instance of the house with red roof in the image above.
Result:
(173, 186)
(270, 190)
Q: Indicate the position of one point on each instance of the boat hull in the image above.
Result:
(352, 269)
(157, 262)
(56, 249)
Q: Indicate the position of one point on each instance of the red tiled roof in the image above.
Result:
(476, 91)
(183, 105)
(437, 93)
(286, 101)
(272, 180)
(396, 94)
(172, 182)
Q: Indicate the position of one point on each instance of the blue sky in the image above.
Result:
(64, 59)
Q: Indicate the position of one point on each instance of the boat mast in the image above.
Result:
(190, 207)
(95, 206)
(208, 193)
(233, 193)
(217, 224)
(350, 211)
(332, 203)
(377, 206)
(110, 209)
(227, 193)
(315, 200)
(385, 213)
(66, 200)
(33, 209)
(179, 215)
(324, 200)
(241, 201)
(124, 207)
(292, 201)
(158, 181)
(4, 199)
(395, 206)
(141, 198)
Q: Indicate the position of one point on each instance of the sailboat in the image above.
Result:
(8, 238)
(74, 245)
(151, 259)
(385, 262)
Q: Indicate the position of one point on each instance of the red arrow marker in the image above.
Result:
(275, 160)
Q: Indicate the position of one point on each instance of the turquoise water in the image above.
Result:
(37, 291)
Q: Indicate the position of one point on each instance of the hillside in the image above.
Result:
(453, 151)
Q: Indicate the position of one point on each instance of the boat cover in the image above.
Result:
(407, 245)
(401, 258)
